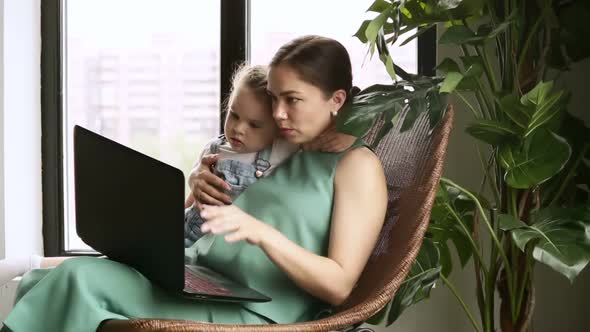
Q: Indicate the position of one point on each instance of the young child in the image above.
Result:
(250, 148)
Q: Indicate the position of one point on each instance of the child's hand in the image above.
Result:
(206, 187)
(330, 141)
(236, 223)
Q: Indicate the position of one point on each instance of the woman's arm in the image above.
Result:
(357, 216)
(206, 187)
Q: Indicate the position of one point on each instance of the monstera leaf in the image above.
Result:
(420, 280)
(541, 156)
(419, 96)
(561, 237)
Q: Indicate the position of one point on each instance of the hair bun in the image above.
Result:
(354, 91)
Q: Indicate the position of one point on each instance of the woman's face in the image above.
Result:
(249, 125)
(300, 109)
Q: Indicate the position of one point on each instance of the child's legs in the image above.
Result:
(192, 226)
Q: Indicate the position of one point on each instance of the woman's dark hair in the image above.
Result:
(320, 61)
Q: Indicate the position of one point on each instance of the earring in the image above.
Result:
(334, 113)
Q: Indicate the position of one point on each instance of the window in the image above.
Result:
(269, 32)
(152, 74)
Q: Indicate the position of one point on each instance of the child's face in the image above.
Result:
(249, 125)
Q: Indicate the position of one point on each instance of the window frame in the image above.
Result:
(234, 34)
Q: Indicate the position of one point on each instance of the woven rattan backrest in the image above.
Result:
(412, 161)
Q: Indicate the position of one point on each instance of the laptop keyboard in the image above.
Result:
(202, 285)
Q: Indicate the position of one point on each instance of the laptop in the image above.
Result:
(130, 207)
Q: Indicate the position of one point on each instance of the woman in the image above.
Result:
(301, 235)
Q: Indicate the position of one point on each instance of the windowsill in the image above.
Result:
(7, 296)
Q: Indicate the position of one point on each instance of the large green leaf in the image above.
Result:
(418, 12)
(537, 95)
(448, 65)
(360, 33)
(547, 110)
(384, 55)
(561, 237)
(377, 24)
(473, 66)
(488, 32)
(420, 96)
(491, 132)
(379, 6)
(516, 111)
(541, 156)
(461, 34)
(458, 79)
(546, 106)
(451, 82)
(420, 280)
(420, 31)
(458, 34)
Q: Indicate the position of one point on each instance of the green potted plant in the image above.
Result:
(533, 205)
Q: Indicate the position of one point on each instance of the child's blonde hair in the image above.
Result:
(253, 77)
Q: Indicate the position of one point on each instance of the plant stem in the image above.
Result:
(486, 65)
(463, 305)
(481, 87)
(481, 301)
(487, 175)
(513, 194)
(570, 174)
(488, 68)
(521, 289)
(514, 281)
(468, 234)
(523, 204)
(480, 208)
(530, 37)
(506, 54)
(489, 100)
(507, 266)
(482, 105)
(513, 198)
(471, 108)
(493, 275)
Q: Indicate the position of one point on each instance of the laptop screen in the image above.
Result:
(130, 207)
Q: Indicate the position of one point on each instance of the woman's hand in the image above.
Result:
(206, 187)
(330, 141)
(236, 223)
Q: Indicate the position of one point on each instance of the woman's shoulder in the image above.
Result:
(360, 159)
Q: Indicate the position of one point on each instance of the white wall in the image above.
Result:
(20, 128)
(2, 232)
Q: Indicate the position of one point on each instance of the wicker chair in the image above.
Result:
(413, 162)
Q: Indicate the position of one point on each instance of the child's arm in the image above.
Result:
(206, 187)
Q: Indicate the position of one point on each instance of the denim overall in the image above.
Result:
(237, 174)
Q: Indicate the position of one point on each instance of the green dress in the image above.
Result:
(296, 199)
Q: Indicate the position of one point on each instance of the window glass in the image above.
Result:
(144, 73)
(273, 23)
